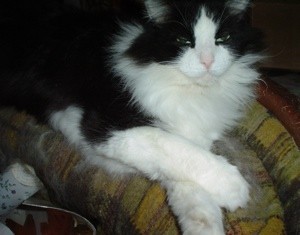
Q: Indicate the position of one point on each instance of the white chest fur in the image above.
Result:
(198, 113)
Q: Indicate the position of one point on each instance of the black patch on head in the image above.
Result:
(244, 38)
(162, 42)
(159, 42)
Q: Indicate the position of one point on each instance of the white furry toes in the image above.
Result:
(229, 188)
(198, 221)
(196, 211)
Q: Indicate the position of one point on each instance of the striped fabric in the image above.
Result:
(267, 154)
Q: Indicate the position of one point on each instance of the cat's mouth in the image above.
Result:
(203, 78)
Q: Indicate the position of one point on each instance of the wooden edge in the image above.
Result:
(284, 105)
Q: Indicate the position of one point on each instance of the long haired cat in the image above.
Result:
(140, 94)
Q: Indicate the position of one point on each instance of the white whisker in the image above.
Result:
(182, 16)
(220, 20)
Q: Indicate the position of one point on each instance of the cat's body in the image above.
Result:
(148, 95)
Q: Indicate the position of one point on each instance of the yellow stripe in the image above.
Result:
(249, 227)
(269, 132)
(135, 191)
(149, 206)
(274, 226)
(103, 182)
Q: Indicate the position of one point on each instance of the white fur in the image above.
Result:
(182, 104)
(68, 122)
(156, 10)
(200, 214)
(167, 156)
(193, 106)
(184, 169)
(193, 61)
(237, 6)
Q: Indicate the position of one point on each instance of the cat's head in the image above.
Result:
(200, 38)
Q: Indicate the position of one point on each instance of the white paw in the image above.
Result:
(197, 212)
(204, 221)
(227, 186)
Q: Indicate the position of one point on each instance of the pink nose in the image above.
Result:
(207, 61)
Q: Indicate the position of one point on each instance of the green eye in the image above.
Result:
(225, 37)
(183, 41)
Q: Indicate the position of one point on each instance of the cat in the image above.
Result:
(144, 93)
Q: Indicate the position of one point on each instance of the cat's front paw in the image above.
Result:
(196, 211)
(229, 188)
(202, 221)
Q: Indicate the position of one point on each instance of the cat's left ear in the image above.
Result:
(157, 10)
(237, 7)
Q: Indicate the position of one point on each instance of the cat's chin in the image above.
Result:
(205, 80)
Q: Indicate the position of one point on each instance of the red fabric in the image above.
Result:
(285, 106)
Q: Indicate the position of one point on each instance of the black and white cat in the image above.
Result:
(140, 94)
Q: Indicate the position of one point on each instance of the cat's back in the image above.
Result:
(38, 26)
(51, 52)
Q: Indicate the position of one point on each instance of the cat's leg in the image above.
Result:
(174, 161)
(168, 158)
(197, 212)
(147, 150)
(69, 121)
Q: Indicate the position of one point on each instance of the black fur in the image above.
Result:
(52, 57)
(160, 38)
(58, 58)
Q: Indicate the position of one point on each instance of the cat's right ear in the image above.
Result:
(237, 7)
(157, 10)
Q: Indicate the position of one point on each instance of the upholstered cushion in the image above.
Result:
(266, 152)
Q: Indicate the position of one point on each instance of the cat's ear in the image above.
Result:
(157, 10)
(237, 7)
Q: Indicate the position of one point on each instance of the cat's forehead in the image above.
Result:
(199, 17)
(205, 26)
(202, 19)
(192, 10)
(161, 10)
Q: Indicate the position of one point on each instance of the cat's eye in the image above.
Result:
(183, 41)
(224, 38)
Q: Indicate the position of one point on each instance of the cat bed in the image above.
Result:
(266, 151)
